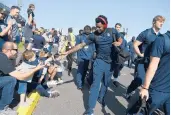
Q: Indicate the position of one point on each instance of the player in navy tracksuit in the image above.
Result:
(84, 56)
(102, 67)
(157, 80)
(142, 46)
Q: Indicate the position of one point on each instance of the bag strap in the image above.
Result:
(118, 49)
(143, 105)
(111, 34)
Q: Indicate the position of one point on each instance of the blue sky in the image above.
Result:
(136, 15)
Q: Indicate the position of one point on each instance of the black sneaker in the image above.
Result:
(116, 83)
(69, 72)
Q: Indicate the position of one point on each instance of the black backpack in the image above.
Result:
(121, 54)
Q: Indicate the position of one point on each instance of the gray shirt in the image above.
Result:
(15, 29)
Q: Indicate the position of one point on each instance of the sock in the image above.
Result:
(115, 79)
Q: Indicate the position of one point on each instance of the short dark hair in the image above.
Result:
(87, 27)
(70, 30)
(31, 5)
(15, 7)
(93, 28)
(119, 24)
(80, 31)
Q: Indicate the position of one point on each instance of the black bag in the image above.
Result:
(139, 108)
(121, 54)
(138, 60)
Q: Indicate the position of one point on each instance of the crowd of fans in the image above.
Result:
(30, 58)
(34, 58)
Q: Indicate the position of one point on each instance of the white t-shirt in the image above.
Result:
(60, 67)
(24, 67)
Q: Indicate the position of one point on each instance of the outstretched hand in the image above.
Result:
(64, 53)
(40, 66)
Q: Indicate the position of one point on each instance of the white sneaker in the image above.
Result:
(52, 83)
(8, 111)
(60, 81)
(54, 93)
(89, 114)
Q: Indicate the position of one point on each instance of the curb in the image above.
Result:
(35, 96)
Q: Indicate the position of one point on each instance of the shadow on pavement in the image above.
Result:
(112, 102)
(133, 74)
(104, 111)
(85, 90)
(66, 82)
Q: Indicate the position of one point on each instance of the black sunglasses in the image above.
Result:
(15, 50)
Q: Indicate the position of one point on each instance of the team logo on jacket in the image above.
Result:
(108, 34)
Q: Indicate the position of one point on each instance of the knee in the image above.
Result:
(95, 85)
(39, 87)
(55, 70)
(12, 80)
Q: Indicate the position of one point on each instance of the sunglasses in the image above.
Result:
(15, 50)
